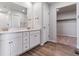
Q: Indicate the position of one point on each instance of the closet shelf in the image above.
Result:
(69, 19)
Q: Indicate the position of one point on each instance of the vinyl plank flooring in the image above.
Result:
(67, 40)
(51, 49)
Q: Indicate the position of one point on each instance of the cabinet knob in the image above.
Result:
(10, 42)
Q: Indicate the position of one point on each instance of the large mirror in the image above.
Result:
(12, 15)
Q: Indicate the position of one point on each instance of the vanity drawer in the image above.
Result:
(25, 37)
(25, 34)
(34, 38)
(34, 32)
(25, 46)
(25, 40)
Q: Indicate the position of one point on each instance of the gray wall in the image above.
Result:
(67, 28)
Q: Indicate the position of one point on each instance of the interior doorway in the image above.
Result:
(66, 25)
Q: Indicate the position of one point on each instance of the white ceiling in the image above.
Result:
(67, 8)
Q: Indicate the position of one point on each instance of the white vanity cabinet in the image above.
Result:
(25, 41)
(13, 47)
(6, 43)
(34, 38)
(10, 44)
(16, 43)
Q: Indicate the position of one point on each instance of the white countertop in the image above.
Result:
(18, 30)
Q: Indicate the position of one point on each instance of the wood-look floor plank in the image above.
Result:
(51, 49)
(54, 49)
(67, 40)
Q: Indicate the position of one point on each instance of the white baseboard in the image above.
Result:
(66, 35)
(52, 41)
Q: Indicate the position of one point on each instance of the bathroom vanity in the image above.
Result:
(18, 41)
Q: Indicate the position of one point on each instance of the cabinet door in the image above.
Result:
(11, 44)
(18, 42)
(19, 45)
(14, 47)
(25, 41)
(45, 29)
(34, 38)
(4, 48)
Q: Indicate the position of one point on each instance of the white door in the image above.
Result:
(77, 25)
(45, 23)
